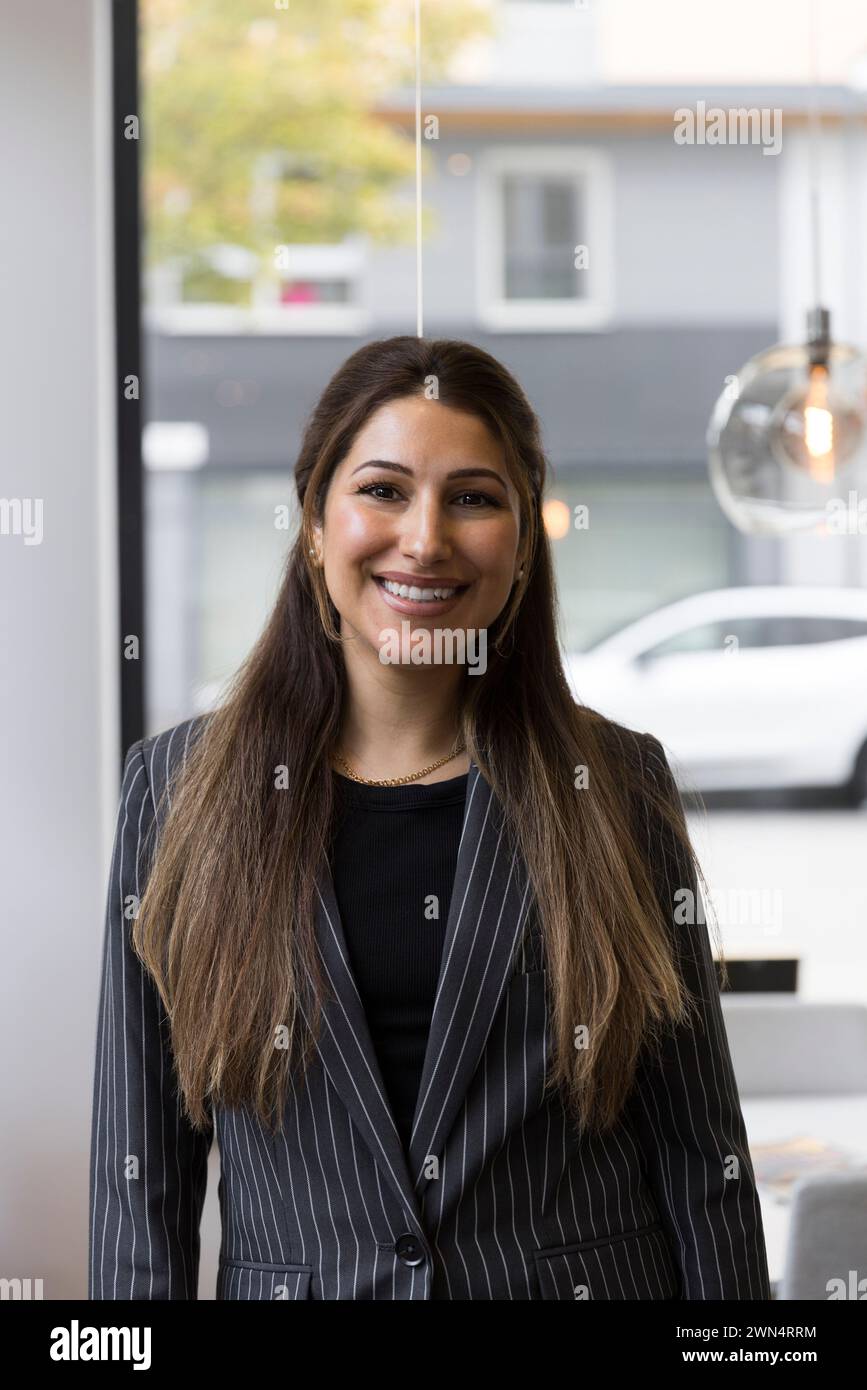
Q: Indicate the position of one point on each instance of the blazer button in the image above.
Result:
(409, 1249)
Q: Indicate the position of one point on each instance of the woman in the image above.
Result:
(412, 930)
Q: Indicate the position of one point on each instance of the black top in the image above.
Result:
(393, 863)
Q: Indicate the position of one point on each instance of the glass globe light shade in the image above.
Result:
(787, 436)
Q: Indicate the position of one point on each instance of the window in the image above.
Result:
(803, 631)
(303, 288)
(544, 238)
(215, 561)
(713, 637)
(313, 289)
(781, 631)
(543, 221)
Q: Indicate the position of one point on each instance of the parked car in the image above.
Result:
(747, 688)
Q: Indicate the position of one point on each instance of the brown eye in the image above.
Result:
(370, 488)
(483, 497)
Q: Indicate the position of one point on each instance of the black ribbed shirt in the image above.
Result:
(393, 859)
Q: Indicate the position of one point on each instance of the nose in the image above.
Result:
(426, 532)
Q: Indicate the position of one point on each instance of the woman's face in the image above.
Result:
(421, 500)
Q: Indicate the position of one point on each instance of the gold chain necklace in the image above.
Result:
(397, 781)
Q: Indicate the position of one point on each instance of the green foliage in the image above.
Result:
(229, 84)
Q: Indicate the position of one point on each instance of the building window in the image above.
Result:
(317, 287)
(290, 287)
(544, 239)
(308, 290)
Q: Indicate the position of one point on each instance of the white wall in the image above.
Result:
(58, 670)
(740, 41)
(533, 42)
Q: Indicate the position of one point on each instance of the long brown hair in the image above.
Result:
(226, 924)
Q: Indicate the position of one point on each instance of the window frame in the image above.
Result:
(347, 258)
(129, 365)
(592, 169)
(302, 320)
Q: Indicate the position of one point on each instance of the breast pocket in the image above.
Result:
(636, 1265)
(248, 1282)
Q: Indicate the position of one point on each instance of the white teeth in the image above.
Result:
(417, 595)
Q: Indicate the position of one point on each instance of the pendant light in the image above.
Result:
(788, 433)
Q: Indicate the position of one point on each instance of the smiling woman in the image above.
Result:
(423, 530)
(437, 1005)
(416, 528)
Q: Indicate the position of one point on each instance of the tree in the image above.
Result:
(259, 122)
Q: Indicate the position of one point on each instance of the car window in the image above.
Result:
(796, 631)
(713, 637)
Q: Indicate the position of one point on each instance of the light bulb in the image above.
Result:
(780, 440)
(557, 518)
(815, 428)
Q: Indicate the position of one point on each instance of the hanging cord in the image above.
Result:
(418, 276)
(814, 138)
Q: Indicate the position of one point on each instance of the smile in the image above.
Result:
(416, 594)
(419, 599)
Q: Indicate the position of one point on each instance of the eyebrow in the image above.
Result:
(455, 473)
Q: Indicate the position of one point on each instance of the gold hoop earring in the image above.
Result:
(323, 603)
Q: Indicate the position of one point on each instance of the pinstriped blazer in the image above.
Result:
(497, 1196)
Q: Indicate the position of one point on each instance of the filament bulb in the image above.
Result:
(816, 429)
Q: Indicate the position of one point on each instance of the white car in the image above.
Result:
(746, 688)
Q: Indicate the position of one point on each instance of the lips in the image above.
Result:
(422, 596)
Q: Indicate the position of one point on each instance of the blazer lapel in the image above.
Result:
(487, 911)
(347, 1051)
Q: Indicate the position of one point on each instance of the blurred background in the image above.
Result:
(210, 204)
